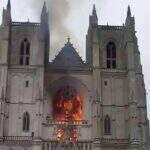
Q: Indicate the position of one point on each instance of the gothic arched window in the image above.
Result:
(107, 125)
(111, 55)
(25, 52)
(26, 122)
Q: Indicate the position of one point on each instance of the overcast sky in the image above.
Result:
(112, 12)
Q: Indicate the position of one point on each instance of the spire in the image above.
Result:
(94, 11)
(129, 19)
(129, 12)
(44, 10)
(8, 5)
(44, 13)
(93, 17)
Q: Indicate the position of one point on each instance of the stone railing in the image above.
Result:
(51, 122)
(25, 23)
(17, 138)
(108, 142)
(108, 27)
(114, 141)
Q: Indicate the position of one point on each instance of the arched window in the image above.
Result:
(25, 52)
(107, 125)
(111, 55)
(26, 122)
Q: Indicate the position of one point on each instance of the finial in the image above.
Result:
(129, 11)
(68, 39)
(68, 42)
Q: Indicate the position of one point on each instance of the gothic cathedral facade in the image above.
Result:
(69, 104)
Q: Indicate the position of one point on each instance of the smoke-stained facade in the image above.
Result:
(69, 104)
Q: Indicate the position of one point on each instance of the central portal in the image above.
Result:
(67, 105)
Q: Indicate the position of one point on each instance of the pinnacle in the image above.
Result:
(44, 7)
(8, 4)
(94, 11)
(129, 11)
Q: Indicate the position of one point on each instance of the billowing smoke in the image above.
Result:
(58, 15)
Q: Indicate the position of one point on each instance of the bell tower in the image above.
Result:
(112, 53)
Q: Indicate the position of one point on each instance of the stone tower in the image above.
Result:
(70, 104)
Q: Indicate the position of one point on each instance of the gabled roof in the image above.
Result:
(68, 57)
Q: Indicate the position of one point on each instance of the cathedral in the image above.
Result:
(68, 103)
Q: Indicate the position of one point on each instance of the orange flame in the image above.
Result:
(67, 105)
(59, 134)
(74, 135)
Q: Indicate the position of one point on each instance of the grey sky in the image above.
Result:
(112, 12)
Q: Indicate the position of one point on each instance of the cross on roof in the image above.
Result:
(68, 39)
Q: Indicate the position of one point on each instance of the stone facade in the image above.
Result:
(108, 88)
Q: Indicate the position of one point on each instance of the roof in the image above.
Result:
(68, 57)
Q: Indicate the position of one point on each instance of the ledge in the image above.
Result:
(17, 138)
(25, 24)
(109, 27)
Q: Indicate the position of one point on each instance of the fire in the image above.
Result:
(59, 134)
(67, 105)
(74, 135)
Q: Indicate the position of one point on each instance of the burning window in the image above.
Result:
(67, 105)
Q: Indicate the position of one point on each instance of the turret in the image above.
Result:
(93, 20)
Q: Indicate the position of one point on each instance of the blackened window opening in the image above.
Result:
(27, 83)
(24, 52)
(26, 122)
(111, 55)
(107, 125)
